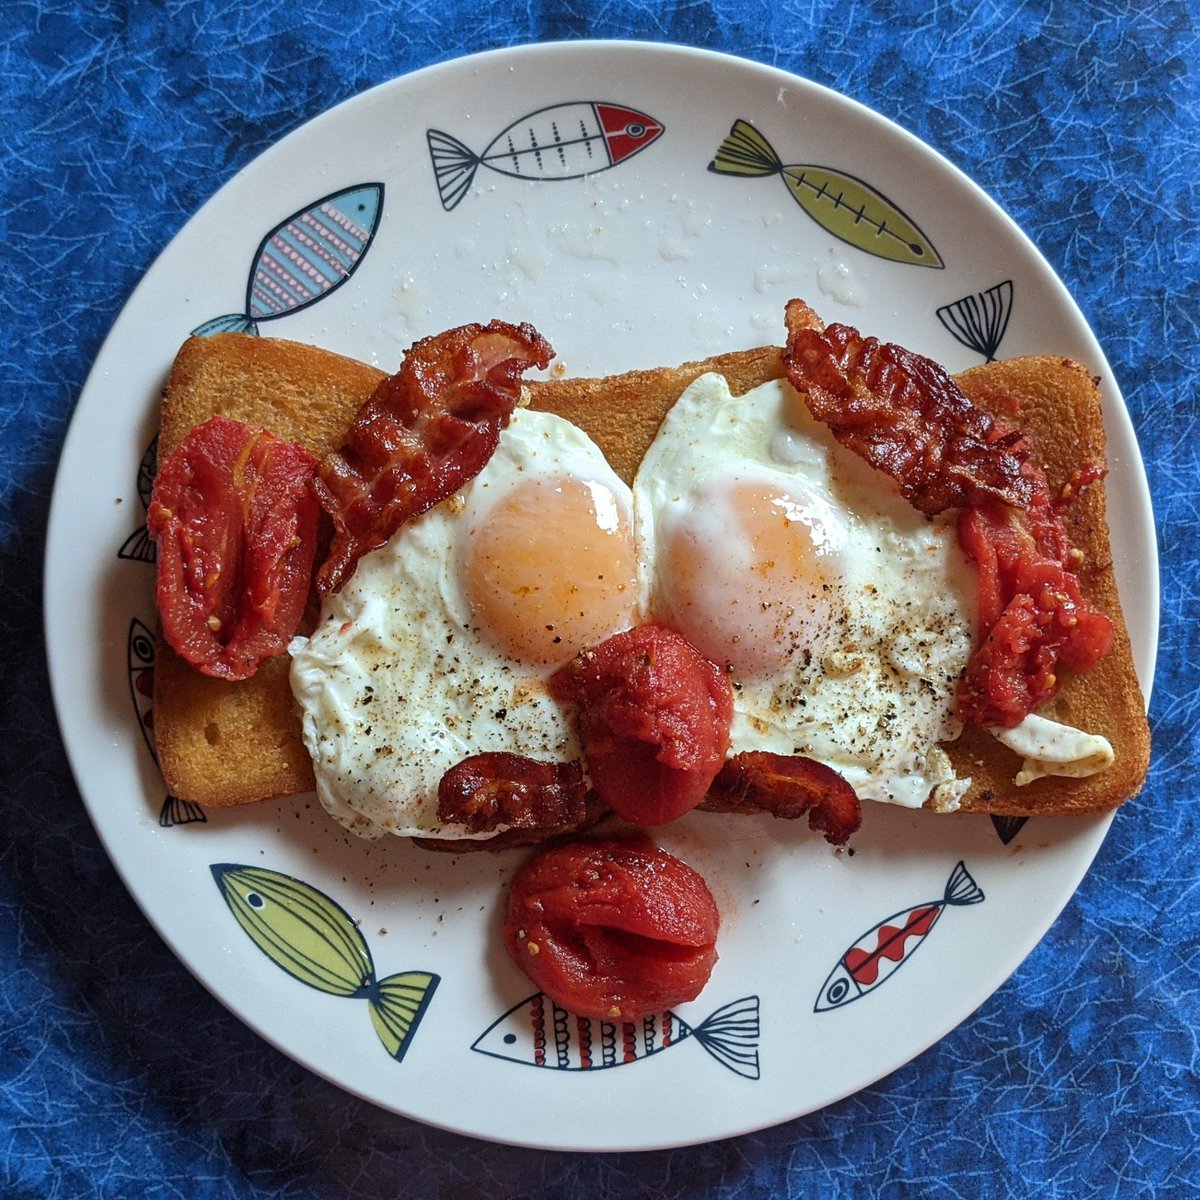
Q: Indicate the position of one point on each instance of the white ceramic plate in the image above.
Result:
(654, 259)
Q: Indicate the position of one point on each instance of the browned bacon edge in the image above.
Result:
(424, 433)
(787, 786)
(903, 414)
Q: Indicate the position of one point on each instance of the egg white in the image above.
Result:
(397, 684)
(867, 679)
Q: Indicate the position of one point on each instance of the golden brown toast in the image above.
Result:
(225, 743)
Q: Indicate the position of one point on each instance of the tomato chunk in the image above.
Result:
(236, 525)
(1034, 617)
(612, 928)
(654, 717)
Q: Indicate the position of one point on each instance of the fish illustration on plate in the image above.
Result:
(306, 257)
(979, 321)
(139, 666)
(563, 141)
(538, 1033)
(139, 545)
(882, 950)
(305, 933)
(842, 204)
(1007, 828)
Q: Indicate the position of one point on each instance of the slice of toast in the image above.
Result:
(234, 743)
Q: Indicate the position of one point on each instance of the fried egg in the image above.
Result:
(441, 644)
(843, 615)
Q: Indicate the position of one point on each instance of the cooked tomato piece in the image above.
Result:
(612, 928)
(654, 717)
(236, 525)
(1034, 618)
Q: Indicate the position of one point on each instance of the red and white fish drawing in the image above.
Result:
(563, 141)
(889, 945)
(538, 1033)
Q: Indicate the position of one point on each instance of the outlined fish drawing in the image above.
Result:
(538, 1033)
(883, 950)
(842, 204)
(139, 665)
(1007, 828)
(562, 141)
(306, 257)
(979, 321)
(305, 933)
(139, 545)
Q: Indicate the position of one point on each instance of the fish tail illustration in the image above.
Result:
(230, 323)
(731, 1034)
(979, 321)
(397, 1005)
(454, 166)
(179, 812)
(1007, 828)
(746, 152)
(139, 546)
(961, 888)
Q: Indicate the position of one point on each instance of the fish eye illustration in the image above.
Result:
(837, 991)
(635, 130)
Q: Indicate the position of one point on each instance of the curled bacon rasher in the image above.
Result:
(905, 415)
(787, 786)
(423, 434)
(492, 789)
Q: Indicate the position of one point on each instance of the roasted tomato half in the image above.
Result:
(612, 928)
(654, 717)
(236, 525)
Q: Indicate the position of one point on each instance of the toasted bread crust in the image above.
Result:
(222, 743)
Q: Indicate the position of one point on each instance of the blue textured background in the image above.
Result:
(121, 1077)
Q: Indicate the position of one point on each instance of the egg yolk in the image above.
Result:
(746, 575)
(551, 569)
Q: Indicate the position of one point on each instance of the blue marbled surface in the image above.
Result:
(1077, 1079)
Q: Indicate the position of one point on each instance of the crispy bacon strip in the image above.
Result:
(424, 433)
(788, 787)
(904, 415)
(492, 789)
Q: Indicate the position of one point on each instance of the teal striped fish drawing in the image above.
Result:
(306, 257)
(305, 933)
(842, 204)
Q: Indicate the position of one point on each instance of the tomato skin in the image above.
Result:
(235, 521)
(654, 717)
(1034, 618)
(612, 928)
